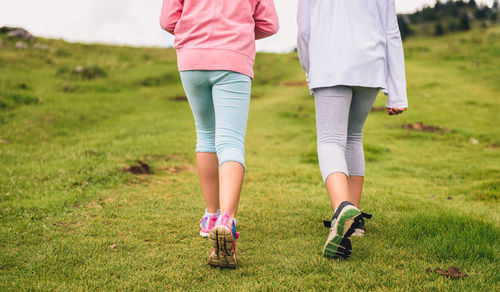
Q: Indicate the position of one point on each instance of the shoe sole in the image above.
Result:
(358, 232)
(338, 244)
(222, 241)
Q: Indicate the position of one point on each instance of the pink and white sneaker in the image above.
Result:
(207, 223)
(223, 238)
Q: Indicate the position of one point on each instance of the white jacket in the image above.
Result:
(352, 43)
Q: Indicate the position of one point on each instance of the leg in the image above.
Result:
(208, 172)
(362, 102)
(332, 114)
(199, 94)
(231, 180)
(355, 189)
(338, 188)
(231, 92)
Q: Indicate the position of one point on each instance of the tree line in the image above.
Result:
(449, 16)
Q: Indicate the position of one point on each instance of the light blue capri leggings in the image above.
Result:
(341, 112)
(220, 101)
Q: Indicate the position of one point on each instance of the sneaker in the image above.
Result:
(345, 220)
(360, 230)
(207, 223)
(223, 238)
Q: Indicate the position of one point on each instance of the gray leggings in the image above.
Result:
(341, 113)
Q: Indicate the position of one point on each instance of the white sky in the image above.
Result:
(133, 22)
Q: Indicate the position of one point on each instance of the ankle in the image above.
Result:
(210, 214)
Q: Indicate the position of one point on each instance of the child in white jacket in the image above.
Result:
(350, 49)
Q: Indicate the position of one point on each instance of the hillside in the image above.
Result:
(77, 214)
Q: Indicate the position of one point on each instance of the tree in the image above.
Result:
(460, 3)
(493, 16)
(404, 28)
(438, 29)
(472, 3)
(427, 14)
(438, 6)
(452, 8)
(453, 25)
(482, 12)
(464, 23)
(494, 11)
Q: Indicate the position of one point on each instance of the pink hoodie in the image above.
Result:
(218, 34)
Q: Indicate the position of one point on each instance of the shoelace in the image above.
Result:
(366, 215)
(328, 224)
(212, 219)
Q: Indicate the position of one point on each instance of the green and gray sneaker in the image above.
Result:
(359, 231)
(344, 222)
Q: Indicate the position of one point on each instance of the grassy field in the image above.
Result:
(74, 117)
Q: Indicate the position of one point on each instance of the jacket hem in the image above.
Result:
(214, 59)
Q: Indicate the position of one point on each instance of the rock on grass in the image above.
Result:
(16, 32)
(21, 46)
(83, 72)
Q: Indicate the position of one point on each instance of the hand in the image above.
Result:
(395, 110)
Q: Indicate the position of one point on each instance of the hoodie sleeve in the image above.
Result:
(304, 23)
(396, 80)
(266, 19)
(171, 12)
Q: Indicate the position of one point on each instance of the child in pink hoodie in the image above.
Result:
(215, 43)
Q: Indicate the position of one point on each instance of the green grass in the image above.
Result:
(65, 199)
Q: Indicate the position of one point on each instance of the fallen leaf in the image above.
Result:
(112, 246)
(452, 272)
